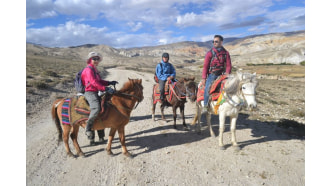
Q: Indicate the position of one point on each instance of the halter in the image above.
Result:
(239, 94)
(139, 99)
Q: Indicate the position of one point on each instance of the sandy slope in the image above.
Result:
(163, 155)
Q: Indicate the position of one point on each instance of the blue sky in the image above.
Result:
(136, 23)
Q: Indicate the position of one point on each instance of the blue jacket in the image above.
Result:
(165, 70)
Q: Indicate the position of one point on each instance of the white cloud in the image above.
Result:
(36, 9)
(74, 34)
(290, 19)
(135, 26)
(159, 22)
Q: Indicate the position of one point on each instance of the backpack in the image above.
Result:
(78, 81)
(217, 69)
(155, 76)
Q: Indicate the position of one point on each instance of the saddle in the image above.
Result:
(168, 94)
(76, 109)
(215, 90)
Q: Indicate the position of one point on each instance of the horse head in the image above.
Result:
(132, 88)
(191, 88)
(248, 85)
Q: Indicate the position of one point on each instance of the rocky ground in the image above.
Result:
(272, 141)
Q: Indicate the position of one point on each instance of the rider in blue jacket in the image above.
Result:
(165, 72)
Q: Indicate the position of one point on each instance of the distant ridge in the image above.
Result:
(287, 47)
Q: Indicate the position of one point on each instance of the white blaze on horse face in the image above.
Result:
(249, 92)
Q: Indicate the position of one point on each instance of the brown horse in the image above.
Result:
(119, 107)
(185, 87)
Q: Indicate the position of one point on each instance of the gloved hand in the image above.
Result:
(110, 90)
(113, 82)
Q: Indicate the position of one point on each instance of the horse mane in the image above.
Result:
(232, 84)
(129, 85)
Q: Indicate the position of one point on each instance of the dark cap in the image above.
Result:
(166, 55)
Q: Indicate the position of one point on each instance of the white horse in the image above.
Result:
(239, 90)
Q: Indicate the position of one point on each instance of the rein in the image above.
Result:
(139, 99)
(179, 98)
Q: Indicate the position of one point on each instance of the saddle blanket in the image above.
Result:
(66, 112)
(215, 90)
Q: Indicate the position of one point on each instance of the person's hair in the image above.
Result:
(219, 36)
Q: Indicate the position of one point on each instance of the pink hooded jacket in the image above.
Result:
(91, 81)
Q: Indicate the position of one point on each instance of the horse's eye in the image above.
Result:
(243, 87)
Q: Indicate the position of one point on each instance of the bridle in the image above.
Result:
(182, 93)
(139, 99)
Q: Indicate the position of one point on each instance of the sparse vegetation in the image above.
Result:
(268, 64)
(39, 85)
(302, 63)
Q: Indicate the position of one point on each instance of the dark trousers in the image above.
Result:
(162, 89)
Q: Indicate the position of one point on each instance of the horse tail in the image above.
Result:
(57, 120)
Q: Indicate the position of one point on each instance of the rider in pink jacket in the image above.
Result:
(93, 83)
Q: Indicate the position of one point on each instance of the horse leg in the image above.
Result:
(233, 132)
(121, 132)
(162, 111)
(74, 138)
(174, 116)
(197, 118)
(153, 107)
(111, 136)
(66, 132)
(222, 119)
(183, 118)
(208, 120)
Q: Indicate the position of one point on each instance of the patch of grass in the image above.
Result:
(271, 101)
(283, 103)
(297, 113)
(50, 73)
(39, 85)
(302, 63)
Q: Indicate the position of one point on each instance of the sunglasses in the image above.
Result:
(215, 41)
(96, 58)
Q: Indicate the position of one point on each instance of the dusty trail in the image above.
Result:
(163, 155)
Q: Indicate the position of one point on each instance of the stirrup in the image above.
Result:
(204, 110)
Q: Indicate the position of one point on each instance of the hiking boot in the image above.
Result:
(204, 110)
(89, 133)
(91, 142)
(101, 140)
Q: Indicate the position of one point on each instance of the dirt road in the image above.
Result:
(163, 155)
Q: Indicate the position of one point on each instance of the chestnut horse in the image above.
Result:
(185, 87)
(120, 105)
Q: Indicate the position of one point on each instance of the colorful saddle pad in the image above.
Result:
(215, 90)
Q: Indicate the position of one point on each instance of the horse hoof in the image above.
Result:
(110, 153)
(128, 155)
(237, 148)
(71, 155)
(222, 148)
(81, 154)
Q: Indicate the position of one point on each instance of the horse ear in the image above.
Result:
(240, 75)
(140, 81)
(192, 78)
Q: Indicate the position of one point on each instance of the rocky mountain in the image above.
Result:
(274, 48)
